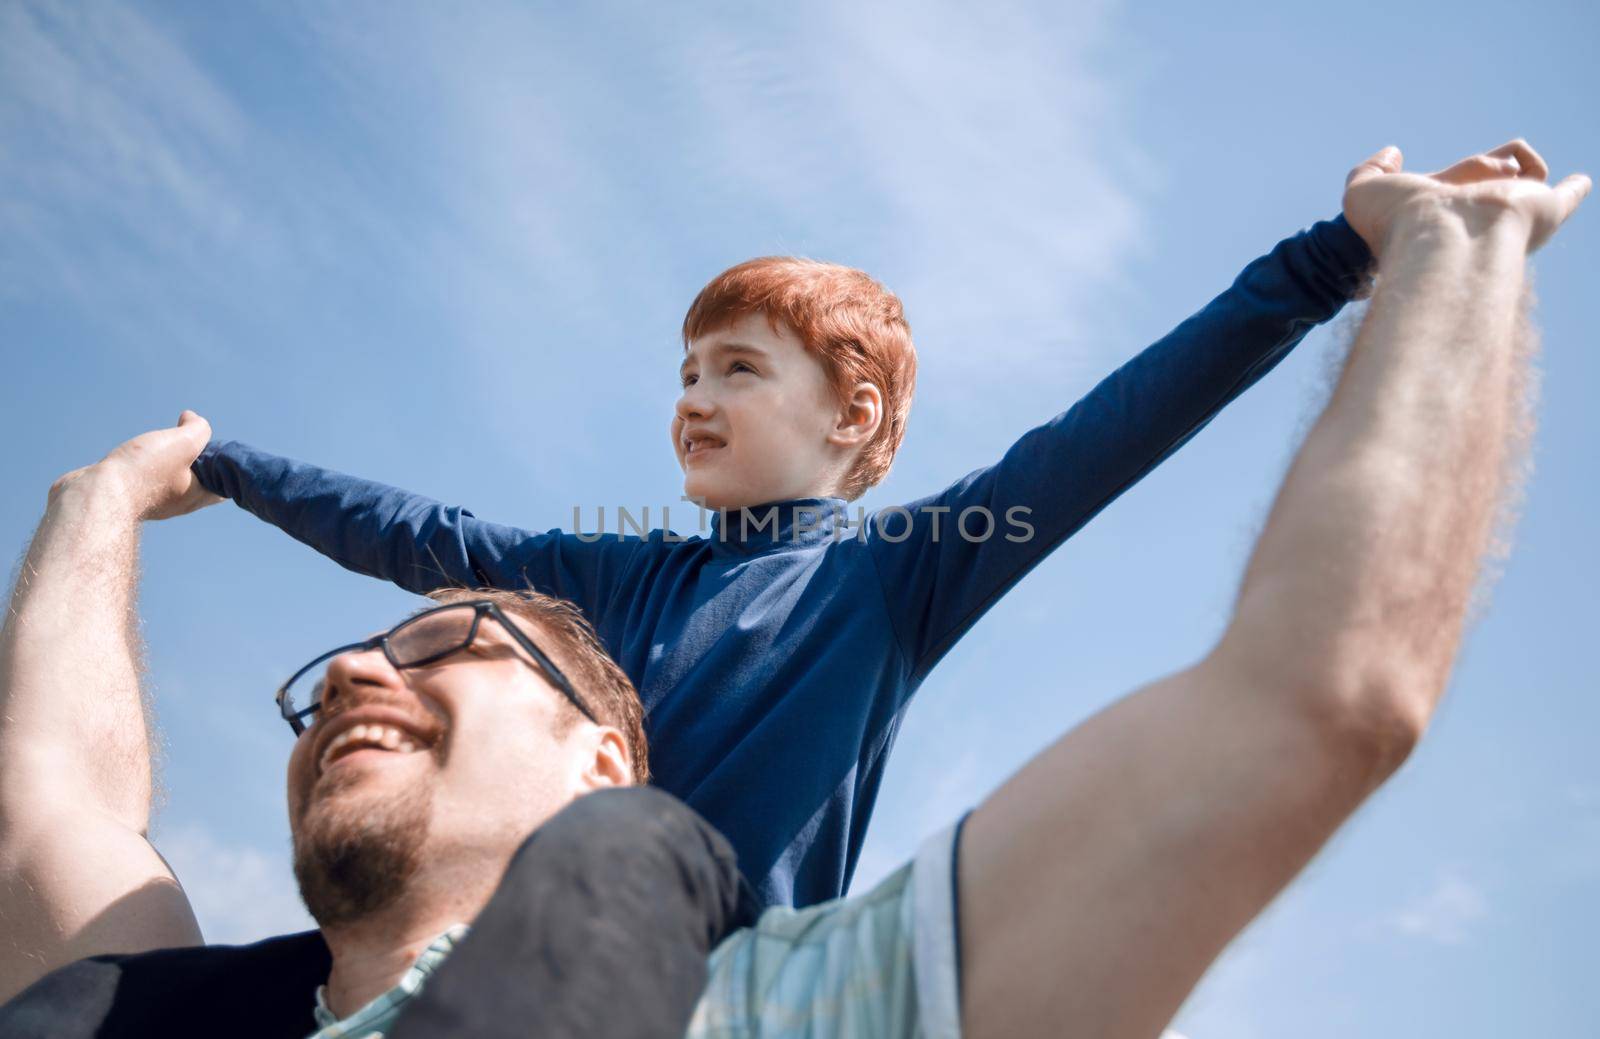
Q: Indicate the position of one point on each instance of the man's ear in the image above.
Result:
(610, 766)
(859, 419)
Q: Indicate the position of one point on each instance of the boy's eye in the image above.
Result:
(740, 366)
(689, 380)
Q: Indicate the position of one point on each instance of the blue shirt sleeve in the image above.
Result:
(938, 582)
(416, 542)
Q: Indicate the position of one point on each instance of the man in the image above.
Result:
(1089, 893)
(392, 855)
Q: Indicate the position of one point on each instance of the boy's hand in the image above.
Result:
(150, 474)
(1506, 183)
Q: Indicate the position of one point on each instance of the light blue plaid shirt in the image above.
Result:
(880, 965)
(376, 1018)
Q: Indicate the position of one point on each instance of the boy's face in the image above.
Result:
(753, 424)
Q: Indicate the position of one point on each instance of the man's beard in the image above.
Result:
(354, 856)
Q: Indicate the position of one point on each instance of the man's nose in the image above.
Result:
(350, 675)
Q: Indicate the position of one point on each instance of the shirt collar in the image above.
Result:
(380, 1013)
(799, 521)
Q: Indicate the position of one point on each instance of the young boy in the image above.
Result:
(774, 655)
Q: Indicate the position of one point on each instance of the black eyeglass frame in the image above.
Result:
(481, 608)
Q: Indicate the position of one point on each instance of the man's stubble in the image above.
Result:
(355, 855)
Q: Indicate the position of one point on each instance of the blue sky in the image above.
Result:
(451, 252)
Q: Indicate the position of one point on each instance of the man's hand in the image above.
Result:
(153, 470)
(1504, 184)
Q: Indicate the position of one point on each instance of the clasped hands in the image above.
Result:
(150, 475)
(1501, 190)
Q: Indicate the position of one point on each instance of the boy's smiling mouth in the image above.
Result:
(700, 444)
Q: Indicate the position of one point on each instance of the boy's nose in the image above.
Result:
(694, 404)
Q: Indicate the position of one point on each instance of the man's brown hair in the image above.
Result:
(846, 319)
(563, 634)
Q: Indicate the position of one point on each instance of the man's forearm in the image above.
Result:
(1361, 578)
(72, 717)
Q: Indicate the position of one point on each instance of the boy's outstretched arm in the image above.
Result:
(941, 577)
(416, 542)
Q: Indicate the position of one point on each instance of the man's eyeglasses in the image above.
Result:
(418, 641)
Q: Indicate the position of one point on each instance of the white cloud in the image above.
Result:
(568, 179)
(116, 146)
(996, 148)
(143, 192)
(972, 156)
(239, 893)
(1445, 914)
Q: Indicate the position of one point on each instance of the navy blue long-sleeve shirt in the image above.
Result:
(774, 663)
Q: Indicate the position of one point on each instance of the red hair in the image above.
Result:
(846, 319)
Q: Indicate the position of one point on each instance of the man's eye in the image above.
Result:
(473, 649)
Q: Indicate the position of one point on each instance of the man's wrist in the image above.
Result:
(102, 487)
(1444, 223)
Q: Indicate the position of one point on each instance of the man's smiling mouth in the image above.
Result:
(379, 737)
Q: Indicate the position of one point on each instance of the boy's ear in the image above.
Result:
(859, 418)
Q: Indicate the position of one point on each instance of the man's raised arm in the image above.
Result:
(77, 875)
(1099, 883)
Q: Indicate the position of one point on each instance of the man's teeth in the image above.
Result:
(386, 736)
